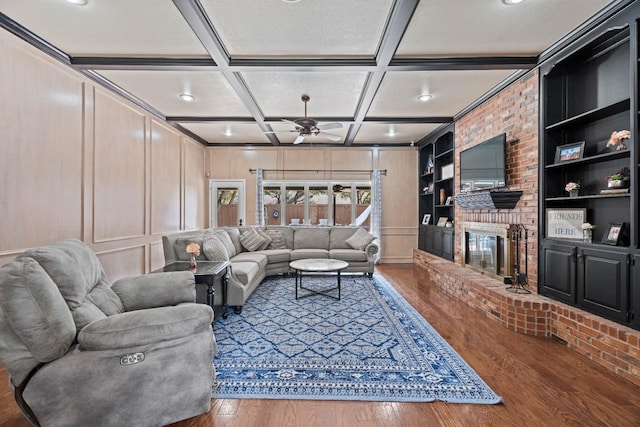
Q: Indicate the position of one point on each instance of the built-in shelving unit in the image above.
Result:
(588, 90)
(436, 189)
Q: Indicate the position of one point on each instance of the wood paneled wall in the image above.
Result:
(80, 162)
(399, 198)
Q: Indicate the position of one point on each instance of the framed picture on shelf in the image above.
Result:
(442, 221)
(571, 151)
(613, 234)
(446, 171)
(426, 218)
(449, 200)
(565, 223)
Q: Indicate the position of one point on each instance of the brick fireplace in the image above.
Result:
(487, 248)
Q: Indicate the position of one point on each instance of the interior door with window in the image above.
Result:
(227, 206)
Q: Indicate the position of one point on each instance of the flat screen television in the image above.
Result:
(483, 167)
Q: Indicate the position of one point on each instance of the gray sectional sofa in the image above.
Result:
(252, 259)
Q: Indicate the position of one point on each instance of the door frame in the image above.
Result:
(214, 184)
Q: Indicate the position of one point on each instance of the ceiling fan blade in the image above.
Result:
(291, 122)
(325, 126)
(299, 139)
(330, 136)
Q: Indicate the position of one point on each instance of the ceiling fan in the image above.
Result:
(306, 126)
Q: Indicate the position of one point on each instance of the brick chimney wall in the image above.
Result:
(514, 111)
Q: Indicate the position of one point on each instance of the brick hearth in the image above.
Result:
(609, 344)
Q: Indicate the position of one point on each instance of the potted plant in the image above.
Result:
(572, 188)
(619, 179)
(587, 232)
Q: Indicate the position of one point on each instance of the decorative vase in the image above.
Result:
(192, 263)
(443, 196)
(587, 235)
(574, 193)
(615, 184)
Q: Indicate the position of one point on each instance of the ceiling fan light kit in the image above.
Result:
(306, 126)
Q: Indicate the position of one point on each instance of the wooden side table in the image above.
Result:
(207, 273)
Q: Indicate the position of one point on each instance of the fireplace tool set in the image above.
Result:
(519, 281)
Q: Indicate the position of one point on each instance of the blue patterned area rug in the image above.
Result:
(371, 345)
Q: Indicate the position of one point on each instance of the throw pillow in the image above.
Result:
(213, 248)
(277, 239)
(223, 236)
(234, 234)
(360, 239)
(251, 240)
(265, 236)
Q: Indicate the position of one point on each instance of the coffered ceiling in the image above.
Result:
(248, 62)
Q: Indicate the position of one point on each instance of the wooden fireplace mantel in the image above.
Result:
(488, 200)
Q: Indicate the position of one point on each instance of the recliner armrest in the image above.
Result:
(144, 327)
(156, 290)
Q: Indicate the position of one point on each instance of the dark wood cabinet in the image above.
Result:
(438, 241)
(435, 171)
(558, 271)
(596, 279)
(589, 89)
(603, 282)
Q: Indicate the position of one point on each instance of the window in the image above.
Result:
(316, 203)
(295, 200)
(272, 201)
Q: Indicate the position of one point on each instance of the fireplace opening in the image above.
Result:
(487, 248)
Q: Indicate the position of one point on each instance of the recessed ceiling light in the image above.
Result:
(78, 2)
(510, 2)
(187, 97)
(228, 132)
(424, 97)
(291, 1)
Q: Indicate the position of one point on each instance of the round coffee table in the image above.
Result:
(317, 265)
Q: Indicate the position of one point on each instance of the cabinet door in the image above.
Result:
(447, 244)
(430, 237)
(634, 314)
(558, 268)
(437, 241)
(603, 283)
(422, 237)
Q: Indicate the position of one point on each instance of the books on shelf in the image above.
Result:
(615, 191)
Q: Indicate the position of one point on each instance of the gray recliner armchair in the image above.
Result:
(81, 352)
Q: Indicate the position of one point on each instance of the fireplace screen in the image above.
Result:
(488, 250)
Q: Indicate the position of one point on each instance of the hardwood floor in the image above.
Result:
(542, 382)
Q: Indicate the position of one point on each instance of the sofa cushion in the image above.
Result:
(31, 303)
(309, 253)
(145, 327)
(234, 234)
(213, 248)
(277, 239)
(339, 235)
(181, 248)
(256, 257)
(226, 241)
(287, 234)
(311, 238)
(275, 256)
(265, 236)
(360, 239)
(348, 255)
(251, 240)
(245, 272)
